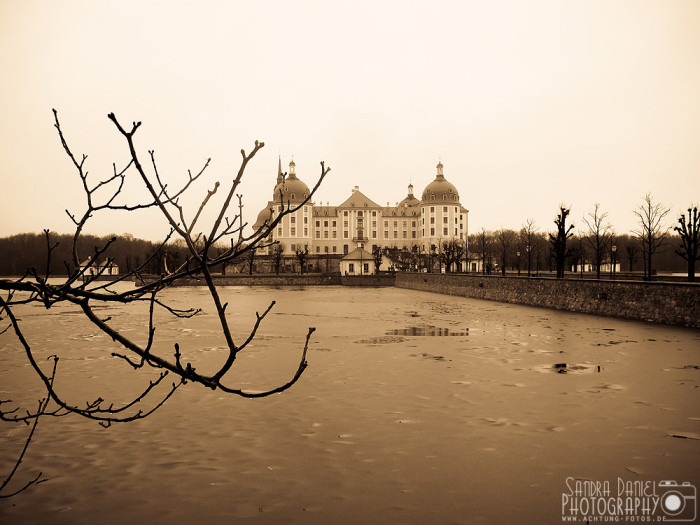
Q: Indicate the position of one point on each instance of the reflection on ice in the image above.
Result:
(428, 331)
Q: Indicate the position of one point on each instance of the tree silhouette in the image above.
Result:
(559, 241)
(527, 234)
(651, 233)
(504, 239)
(599, 235)
(302, 257)
(277, 252)
(82, 289)
(377, 256)
(452, 252)
(688, 231)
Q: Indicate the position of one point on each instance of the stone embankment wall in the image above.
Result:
(293, 280)
(670, 303)
(264, 280)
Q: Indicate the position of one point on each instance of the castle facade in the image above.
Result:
(360, 223)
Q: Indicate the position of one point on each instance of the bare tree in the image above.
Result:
(559, 241)
(527, 234)
(482, 241)
(277, 252)
(82, 289)
(503, 241)
(452, 252)
(632, 254)
(599, 235)
(302, 257)
(689, 231)
(651, 233)
(377, 256)
(251, 261)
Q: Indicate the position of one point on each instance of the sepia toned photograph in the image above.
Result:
(349, 262)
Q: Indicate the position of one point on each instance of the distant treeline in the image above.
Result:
(27, 250)
(488, 245)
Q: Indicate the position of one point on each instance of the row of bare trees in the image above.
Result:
(596, 244)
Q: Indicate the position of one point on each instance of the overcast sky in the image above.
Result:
(527, 104)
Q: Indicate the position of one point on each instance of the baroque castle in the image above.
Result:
(361, 224)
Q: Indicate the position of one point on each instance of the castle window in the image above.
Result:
(325, 224)
(292, 219)
(325, 234)
(333, 224)
(454, 198)
(345, 249)
(325, 249)
(359, 214)
(318, 224)
(292, 196)
(432, 197)
(334, 249)
(318, 249)
(444, 231)
(318, 234)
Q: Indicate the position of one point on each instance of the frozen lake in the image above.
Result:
(415, 408)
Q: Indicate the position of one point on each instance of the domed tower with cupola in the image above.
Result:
(443, 218)
(294, 230)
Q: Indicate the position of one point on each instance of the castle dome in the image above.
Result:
(293, 189)
(440, 190)
(264, 215)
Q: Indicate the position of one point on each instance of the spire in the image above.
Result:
(279, 170)
(292, 171)
(439, 170)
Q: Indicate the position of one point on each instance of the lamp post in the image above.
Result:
(518, 254)
(612, 259)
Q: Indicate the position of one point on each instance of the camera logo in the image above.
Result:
(678, 502)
